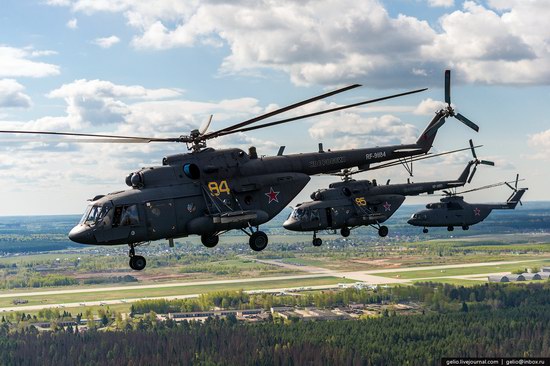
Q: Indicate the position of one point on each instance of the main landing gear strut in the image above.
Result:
(137, 262)
(257, 239)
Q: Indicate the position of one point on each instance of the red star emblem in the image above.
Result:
(387, 206)
(477, 211)
(272, 195)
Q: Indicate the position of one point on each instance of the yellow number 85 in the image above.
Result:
(360, 201)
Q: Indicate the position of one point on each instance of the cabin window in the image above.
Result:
(126, 215)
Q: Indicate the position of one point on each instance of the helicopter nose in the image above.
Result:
(81, 234)
(292, 224)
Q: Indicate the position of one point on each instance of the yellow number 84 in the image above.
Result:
(217, 189)
(360, 201)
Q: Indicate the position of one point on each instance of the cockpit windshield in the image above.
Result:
(305, 214)
(96, 213)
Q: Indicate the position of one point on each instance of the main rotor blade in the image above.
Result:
(472, 175)
(281, 110)
(223, 133)
(473, 150)
(487, 187)
(100, 137)
(467, 122)
(448, 86)
(203, 131)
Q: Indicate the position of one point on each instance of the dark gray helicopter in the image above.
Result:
(350, 204)
(208, 192)
(453, 211)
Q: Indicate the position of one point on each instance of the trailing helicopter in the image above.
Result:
(208, 192)
(350, 204)
(453, 211)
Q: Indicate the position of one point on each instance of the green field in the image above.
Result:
(168, 291)
(464, 270)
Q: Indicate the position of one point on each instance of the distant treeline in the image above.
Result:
(433, 296)
(36, 280)
(508, 321)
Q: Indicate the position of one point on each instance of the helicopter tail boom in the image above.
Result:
(514, 199)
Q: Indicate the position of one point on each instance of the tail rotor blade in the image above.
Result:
(467, 122)
(448, 86)
(472, 175)
(517, 178)
(486, 162)
(473, 150)
(512, 188)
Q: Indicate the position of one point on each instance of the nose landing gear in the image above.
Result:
(317, 242)
(137, 262)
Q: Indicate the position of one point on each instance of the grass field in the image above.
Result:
(464, 270)
(168, 291)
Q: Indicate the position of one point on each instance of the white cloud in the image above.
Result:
(428, 106)
(502, 42)
(72, 24)
(15, 62)
(12, 96)
(106, 42)
(441, 3)
(540, 142)
(358, 131)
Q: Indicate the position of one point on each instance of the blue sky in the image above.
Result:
(127, 67)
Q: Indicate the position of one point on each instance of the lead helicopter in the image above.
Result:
(354, 203)
(208, 192)
(453, 211)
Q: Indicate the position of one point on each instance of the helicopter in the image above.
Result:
(453, 211)
(208, 192)
(353, 203)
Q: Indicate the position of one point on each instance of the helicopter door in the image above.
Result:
(328, 211)
(161, 219)
(125, 219)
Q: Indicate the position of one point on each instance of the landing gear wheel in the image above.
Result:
(383, 231)
(137, 262)
(425, 231)
(258, 241)
(317, 242)
(209, 241)
(345, 232)
(450, 228)
(465, 227)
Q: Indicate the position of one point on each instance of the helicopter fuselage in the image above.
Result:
(212, 191)
(454, 211)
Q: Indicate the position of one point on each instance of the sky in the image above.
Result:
(129, 67)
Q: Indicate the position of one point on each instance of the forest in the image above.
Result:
(497, 321)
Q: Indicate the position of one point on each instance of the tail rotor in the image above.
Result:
(514, 188)
(448, 111)
(476, 162)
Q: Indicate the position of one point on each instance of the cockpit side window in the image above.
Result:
(125, 215)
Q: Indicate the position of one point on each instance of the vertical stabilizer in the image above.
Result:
(512, 202)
